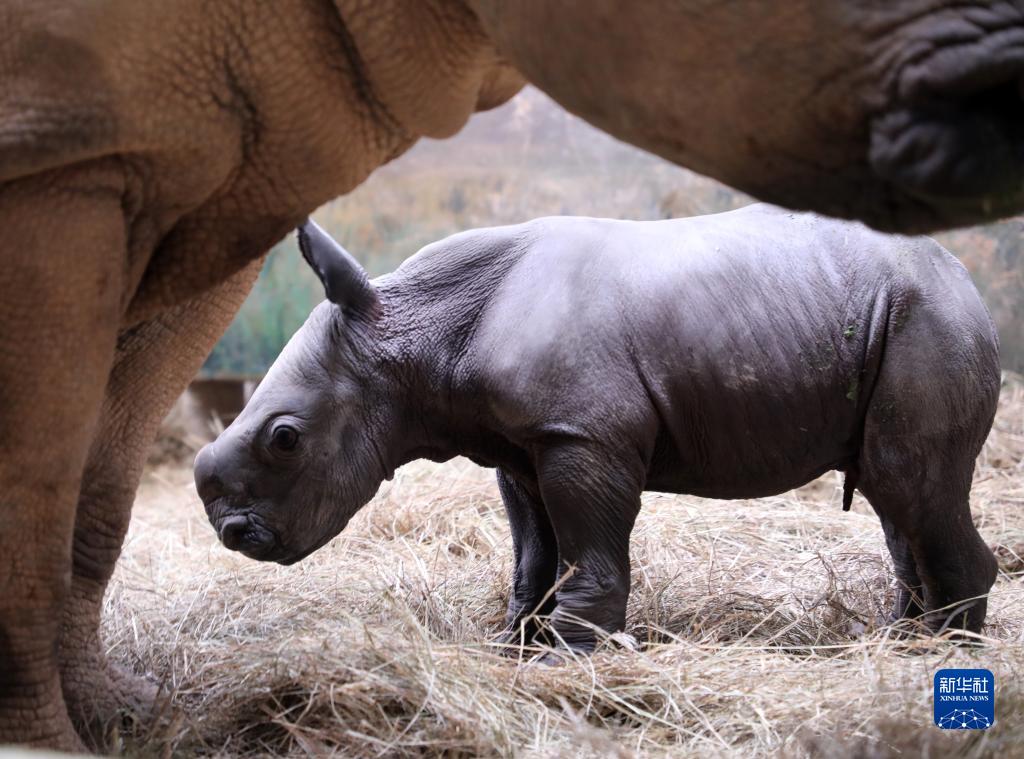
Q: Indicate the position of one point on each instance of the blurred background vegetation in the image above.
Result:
(530, 158)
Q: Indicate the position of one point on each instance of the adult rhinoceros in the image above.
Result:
(150, 153)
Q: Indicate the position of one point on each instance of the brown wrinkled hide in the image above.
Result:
(907, 115)
(149, 155)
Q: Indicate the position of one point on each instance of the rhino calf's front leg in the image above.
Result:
(592, 496)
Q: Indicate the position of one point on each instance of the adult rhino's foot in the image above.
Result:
(37, 718)
(107, 702)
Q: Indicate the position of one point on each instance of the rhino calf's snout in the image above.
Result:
(208, 485)
(228, 511)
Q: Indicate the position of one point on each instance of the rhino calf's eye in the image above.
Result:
(284, 438)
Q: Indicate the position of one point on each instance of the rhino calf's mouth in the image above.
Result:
(237, 525)
(242, 533)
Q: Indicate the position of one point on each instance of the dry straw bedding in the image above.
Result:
(758, 624)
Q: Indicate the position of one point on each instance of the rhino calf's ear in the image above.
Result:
(344, 280)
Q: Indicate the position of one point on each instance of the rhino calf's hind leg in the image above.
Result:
(955, 567)
(916, 463)
(928, 414)
(154, 363)
(909, 602)
(62, 248)
(535, 555)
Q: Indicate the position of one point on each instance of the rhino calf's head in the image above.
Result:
(287, 475)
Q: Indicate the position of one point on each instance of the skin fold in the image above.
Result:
(905, 114)
(150, 153)
(737, 355)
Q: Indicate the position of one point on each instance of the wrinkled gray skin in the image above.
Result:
(728, 356)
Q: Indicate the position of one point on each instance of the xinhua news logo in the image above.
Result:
(965, 699)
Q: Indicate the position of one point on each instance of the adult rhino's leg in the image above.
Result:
(62, 255)
(154, 363)
(536, 558)
(592, 497)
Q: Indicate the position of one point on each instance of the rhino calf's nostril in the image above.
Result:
(232, 532)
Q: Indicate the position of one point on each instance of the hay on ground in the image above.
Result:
(758, 629)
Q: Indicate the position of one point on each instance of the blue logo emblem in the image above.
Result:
(965, 699)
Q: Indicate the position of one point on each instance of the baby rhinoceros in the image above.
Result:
(729, 356)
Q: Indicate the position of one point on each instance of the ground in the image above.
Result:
(755, 628)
